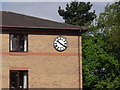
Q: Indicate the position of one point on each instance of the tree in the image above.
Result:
(101, 49)
(109, 24)
(100, 69)
(77, 13)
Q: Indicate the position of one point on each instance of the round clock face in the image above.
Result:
(60, 44)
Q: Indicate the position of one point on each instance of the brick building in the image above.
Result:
(39, 53)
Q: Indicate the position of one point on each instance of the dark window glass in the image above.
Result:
(18, 80)
(18, 42)
(13, 80)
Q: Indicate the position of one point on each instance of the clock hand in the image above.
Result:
(61, 43)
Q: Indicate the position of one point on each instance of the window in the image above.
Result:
(18, 42)
(18, 80)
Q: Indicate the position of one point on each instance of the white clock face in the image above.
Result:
(60, 44)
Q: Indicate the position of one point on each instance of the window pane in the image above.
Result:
(18, 42)
(25, 43)
(21, 42)
(13, 79)
(14, 42)
(25, 80)
(18, 80)
(21, 80)
(11, 36)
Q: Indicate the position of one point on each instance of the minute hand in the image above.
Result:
(61, 43)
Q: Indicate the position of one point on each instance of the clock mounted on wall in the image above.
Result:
(60, 44)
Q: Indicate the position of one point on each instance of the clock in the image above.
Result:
(60, 44)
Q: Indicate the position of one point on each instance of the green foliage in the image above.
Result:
(77, 13)
(109, 23)
(101, 49)
(100, 69)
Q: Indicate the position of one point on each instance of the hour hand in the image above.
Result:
(61, 44)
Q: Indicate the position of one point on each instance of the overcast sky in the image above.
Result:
(46, 10)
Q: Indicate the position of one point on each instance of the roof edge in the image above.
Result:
(80, 29)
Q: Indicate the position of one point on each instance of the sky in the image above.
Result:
(46, 10)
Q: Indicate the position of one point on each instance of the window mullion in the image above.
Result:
(18, 79)
(18, 42)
